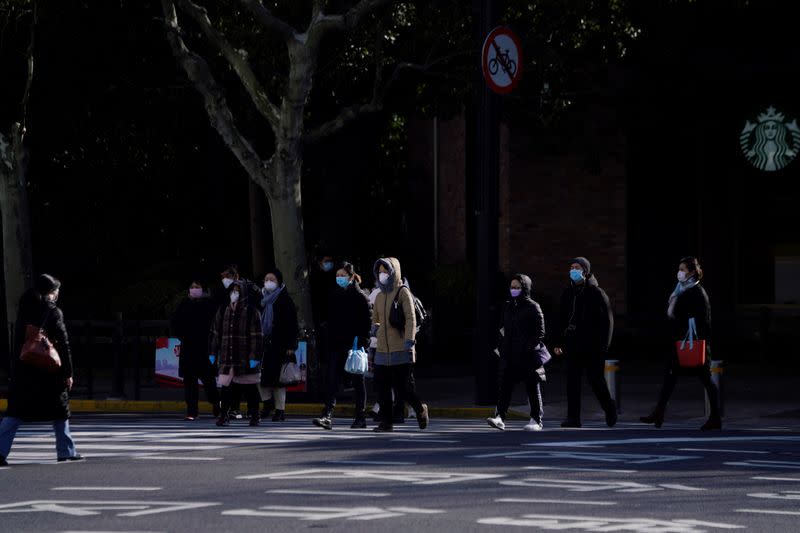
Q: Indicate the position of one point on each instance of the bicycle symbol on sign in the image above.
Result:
(502, 59)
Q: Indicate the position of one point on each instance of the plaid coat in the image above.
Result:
(235, 339)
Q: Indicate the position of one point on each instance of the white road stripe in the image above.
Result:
(769, 511)
(718, 450)
(330, 493)
(767, 478)
(676, 486)
(606, 470)
(383, 463)
(432, 441)
(564, 502)
(177, 458)
(791, 465)
(142, 489)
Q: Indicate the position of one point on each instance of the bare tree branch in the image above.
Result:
(219, 114)
(270, 21)
(323, 24)
(237, 59)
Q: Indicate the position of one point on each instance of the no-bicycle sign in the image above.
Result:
(501, 60)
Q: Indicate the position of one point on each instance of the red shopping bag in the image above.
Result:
(691, 350)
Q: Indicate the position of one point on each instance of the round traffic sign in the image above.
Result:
(501, 59)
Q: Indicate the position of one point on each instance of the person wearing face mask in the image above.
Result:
(395, 353)
(586, 327)
(280, 330)
(235, 345)
(688, 301)
(36, 394)
(191, 323)
(522, 353)
(349, 318)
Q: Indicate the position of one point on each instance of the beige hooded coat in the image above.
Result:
(390, 339)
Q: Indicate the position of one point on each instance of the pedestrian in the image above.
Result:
(235, 346)
(586, 327)
(522, 353)
(37, 394)
(280, 330)
(395, 353)
(688, 301)
(349, 319)
(191, 323)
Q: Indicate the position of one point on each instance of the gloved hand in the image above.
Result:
(409, 345)
(253, 363)
(212, 358)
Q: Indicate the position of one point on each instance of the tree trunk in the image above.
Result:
(18, 264)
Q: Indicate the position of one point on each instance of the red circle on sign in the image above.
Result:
(490, 44)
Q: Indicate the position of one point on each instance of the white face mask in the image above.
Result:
(234, 297)
(681, 276)
(270, 286)
(383, 277)
(227, 282)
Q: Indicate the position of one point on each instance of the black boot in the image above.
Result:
(3, 461)
(656, 418)
(360, 421)
(325, 421)
(713, 422)
(279, 416)
(269, 405)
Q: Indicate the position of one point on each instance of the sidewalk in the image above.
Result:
(761, 400)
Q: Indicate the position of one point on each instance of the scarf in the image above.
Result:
(268, 316)
(680, 288)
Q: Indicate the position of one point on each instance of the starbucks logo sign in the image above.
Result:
(772, 142)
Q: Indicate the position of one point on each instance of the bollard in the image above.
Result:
(611, 370)
(716, 378)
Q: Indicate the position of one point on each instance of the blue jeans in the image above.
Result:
(65, 446)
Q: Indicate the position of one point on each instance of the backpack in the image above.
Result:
(396, 317)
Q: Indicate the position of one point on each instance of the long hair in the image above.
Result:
(780, 143)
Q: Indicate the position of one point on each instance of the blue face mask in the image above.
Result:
(575, 275)
(342, 281)
(327, 266)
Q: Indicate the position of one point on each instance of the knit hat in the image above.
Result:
(582, 261)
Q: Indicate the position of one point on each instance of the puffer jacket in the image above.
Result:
(390, 339)
(523, 328)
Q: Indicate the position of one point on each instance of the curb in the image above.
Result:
(297, 409)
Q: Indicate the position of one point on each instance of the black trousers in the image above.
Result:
(400, 378)
(702, 372)
(336, 375)
(232, 394)
(508, 375)
(192, 390)
(593, 366)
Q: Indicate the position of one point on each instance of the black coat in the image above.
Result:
(586, 321)
(523, 329)
(283, 338)
(36, 395)
(322, 285)
(692, 303)
(349, 316)
(191, 323)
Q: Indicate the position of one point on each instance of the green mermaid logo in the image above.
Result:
(771, 143)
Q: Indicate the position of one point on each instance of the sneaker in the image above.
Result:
(76, 457)
(235, 414)
(383, 428)
(323, 422)
(359, 422)
(533, 425)
(223, 421)
(254, 421)
(279, 416)
(3, 461)
(189, 418)
(571, 423)
(423, 417)
(713, 422)
(496, 422)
